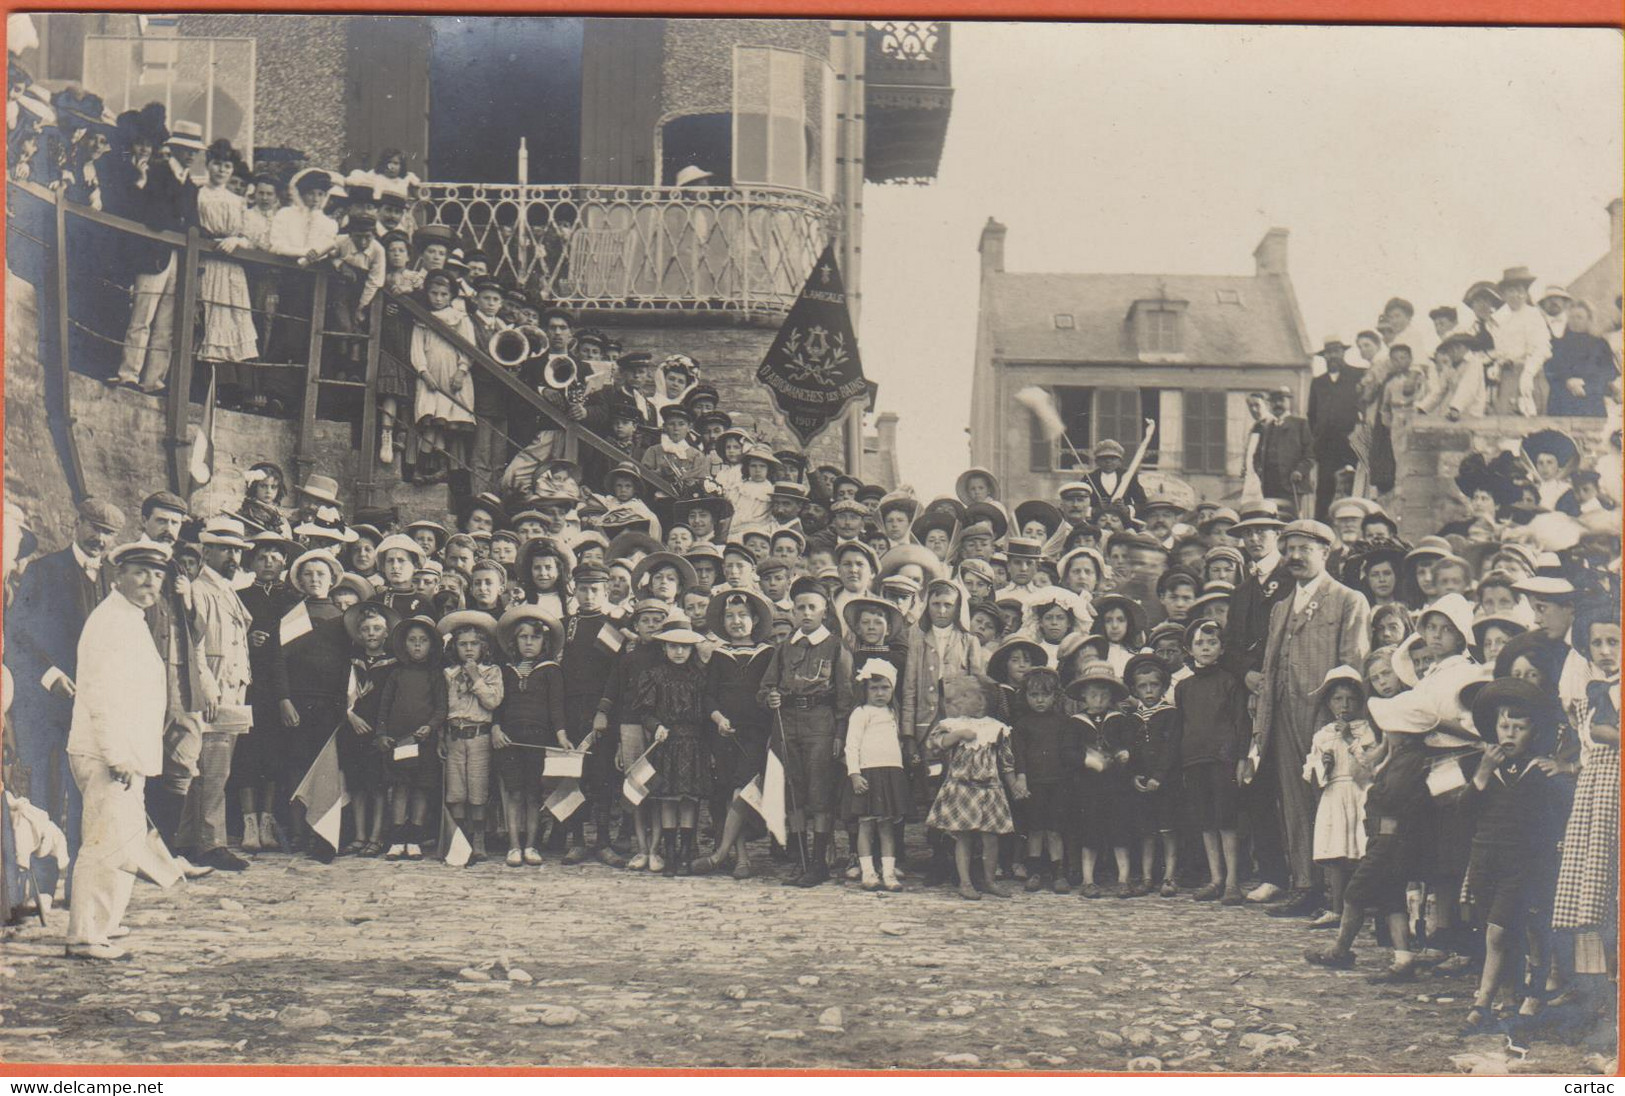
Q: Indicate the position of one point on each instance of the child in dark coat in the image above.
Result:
(411, 715)
(1215, 729)
(530, 718)
(1048, 748)
(1107, 793)
(362, 760)
(1519, 822)
(1154, 767)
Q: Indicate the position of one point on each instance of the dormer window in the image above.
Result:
(1158, 327)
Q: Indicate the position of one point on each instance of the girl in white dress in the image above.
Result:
(228, 318)
(1341, 758)
(444, 406)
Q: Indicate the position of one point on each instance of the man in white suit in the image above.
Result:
(115, 742)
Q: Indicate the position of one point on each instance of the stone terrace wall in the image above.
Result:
(1429, 451)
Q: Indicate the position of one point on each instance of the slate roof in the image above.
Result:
(1261, 330)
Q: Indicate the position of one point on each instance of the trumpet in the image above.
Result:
(509, 347)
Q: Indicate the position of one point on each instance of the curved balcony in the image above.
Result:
(745, 250)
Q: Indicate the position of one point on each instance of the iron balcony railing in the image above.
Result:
(724, 249)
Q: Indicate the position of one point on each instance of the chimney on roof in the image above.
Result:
(1616, 226)
(1270, 255)
(992, 247)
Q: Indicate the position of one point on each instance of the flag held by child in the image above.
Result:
(322, 792)
(565, 800)
(458, 851)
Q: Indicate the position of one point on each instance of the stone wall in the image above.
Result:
(300, 77)
(698, 63)
(1429, 451)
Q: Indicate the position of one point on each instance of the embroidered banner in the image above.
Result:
(813, 369)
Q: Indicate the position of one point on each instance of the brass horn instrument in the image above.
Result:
(561, 372)
(509, 347)
(536, 337)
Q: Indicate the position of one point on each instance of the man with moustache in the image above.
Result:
(116, 743)
(221, 623)
(163, 516)
(55, 597)
(1319, 626)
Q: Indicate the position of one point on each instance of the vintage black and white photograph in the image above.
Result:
(596, 542)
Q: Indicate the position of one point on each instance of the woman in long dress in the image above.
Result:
(444, 404)
(228, 315)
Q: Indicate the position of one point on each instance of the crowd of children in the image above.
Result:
(1064, 695)
(1038, 700)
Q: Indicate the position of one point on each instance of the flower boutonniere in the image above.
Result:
(1309, 613)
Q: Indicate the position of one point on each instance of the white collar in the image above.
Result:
(812, 638)
(1267, 566)
(85, 562)
(681, 448)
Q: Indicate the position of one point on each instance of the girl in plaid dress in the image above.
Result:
(1588, 879)
(972, 802)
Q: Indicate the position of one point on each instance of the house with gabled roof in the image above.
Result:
(1115, 350)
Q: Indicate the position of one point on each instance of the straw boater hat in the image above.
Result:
(223, 532)
(315, 555)
(434, 527)
(654, 560)
(1096, 673)
(1339, 675)
(934, 519)
(355, 613)
(405, 544)
(998, 663)
(397, 635)
(1077, 641)
(854, 606)
(761, 611)
(355, 583)
(477, 619)
(553, 631)
(1258, 514)
(901, 555)
(676, 630)
(964, 479)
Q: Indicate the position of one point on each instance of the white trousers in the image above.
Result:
(150, 334)
(114, 838)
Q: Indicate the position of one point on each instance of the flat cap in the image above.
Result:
(1314, 530)
(102, 514)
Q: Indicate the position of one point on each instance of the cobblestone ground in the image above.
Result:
(384, 963)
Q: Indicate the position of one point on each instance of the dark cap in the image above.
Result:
(590, 572)
(102, 514)
(164, 500)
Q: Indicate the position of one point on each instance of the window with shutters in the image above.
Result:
(1205, 429)
(1076, 408)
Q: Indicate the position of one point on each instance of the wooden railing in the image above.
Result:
(178, 444)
